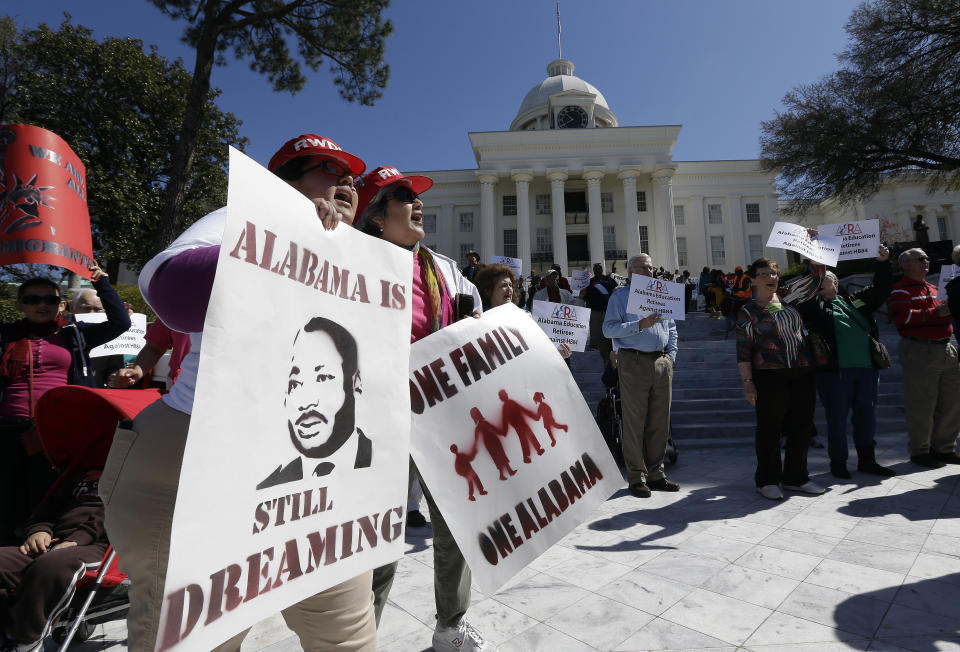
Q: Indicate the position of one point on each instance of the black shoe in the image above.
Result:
(839, 470)
(871, 467)
(639, 490)
(946, 458)
(663, 485)
(927, 460)
(415, 519)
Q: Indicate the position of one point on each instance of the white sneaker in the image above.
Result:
(770, 491)
(462, 638)
(808, 487)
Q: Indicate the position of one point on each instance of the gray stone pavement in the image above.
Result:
(868, 565)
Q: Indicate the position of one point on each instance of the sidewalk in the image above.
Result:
(868, 565)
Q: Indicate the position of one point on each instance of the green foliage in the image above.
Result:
(348, 35)
(893, 108)
(131, 294)
(119, 108)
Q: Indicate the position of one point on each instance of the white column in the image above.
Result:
(522, 179)
(557, 178)
(663, 185)
(487, 182)
(594, 177)
(631, 218)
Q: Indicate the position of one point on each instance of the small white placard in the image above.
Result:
(859, 239)
(128, 343)
(820, 248)
(514, 264)
(650, 295)
(564, 323)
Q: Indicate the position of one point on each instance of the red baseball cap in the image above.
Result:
(314, 145)
(374, 181)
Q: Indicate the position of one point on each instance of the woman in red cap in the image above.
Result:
(391, 209)
(139, 482)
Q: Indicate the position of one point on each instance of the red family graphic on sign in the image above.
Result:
(514, 416)
(43, 201)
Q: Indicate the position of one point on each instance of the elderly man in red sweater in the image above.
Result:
(931, 377)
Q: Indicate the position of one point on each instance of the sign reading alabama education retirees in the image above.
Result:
(859, 239)
(504, 441)
(564, 323)
(291, 479)
(650, 295)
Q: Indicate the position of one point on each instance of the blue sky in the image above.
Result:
(716, 67)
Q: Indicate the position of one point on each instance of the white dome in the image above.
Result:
(561, 79)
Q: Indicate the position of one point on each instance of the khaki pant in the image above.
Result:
(139, 490)
(931, 395)
(646, 390)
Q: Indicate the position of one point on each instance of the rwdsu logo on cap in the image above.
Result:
(316, 142)
(386, 173)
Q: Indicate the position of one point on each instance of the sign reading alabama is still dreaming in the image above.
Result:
(290, 482)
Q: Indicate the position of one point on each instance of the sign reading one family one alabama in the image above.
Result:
(290, 482)
(504, 440)
(564, 323)
(650, 295)
(820, 247)
(858, 239)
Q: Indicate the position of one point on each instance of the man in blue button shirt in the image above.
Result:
(646, 350)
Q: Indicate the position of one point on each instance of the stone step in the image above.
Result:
(734, 392)
(683, 413)
(682, 431)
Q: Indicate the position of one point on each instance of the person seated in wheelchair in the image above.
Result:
(65, 537)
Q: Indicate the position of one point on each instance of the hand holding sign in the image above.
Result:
(818, 247)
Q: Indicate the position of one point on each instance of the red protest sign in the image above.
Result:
(43, 201)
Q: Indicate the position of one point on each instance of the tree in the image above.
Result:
(892, 109)
(120, 109)
(348, 33)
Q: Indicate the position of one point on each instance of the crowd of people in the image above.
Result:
(794, 341)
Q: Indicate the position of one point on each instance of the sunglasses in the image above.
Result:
(37, 299)
(404, 194)
(328, 166)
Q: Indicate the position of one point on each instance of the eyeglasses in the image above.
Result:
(37, 299)
(328, 166)
(922, 259)
(404, 194)
(766, 274)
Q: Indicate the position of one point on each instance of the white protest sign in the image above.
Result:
(621, 280)
(859, 239)
(293, 476)
(504, 440)
(564, 323)
(127, 343)
(650, 295)
(947, 274)
(579, 279)
(821, 248)
(515, 264)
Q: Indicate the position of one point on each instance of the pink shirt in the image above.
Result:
(162, 337)
(51, 366)
(421, 304)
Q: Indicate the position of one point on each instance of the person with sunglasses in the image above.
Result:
(142, 473)
(391, 209)
(931, 377)
(39, 352)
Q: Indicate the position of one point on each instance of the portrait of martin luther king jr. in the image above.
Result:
(320, 402)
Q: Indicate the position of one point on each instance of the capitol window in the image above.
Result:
(543, 205)
(545, 241)
(717, 253)
(714, 214)
(642, 201)
(430, 223)
(465, 248)
(753, 214)
(679, 217)
(510, 243)
(509, 204)
(609, 241)
(606, 202)
(466, 222)
(756, 247)
(644, 239)
(681, 251)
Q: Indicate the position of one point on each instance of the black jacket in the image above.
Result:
(818, 314)
(83, 336)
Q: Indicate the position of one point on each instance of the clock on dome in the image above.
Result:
(572, 117)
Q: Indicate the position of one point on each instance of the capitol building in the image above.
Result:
(567, 184)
